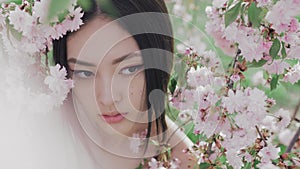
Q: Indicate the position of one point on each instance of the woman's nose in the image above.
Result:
(106, 92)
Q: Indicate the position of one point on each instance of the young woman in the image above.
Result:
(120, 61)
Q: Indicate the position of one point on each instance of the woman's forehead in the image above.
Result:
(100, 37)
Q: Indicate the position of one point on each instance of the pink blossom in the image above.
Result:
(210, 60)
(200, 77)
(73, 22)
(235, 102)
(234, 160)
(58, 31)
(294, 25)
(276, 67)
(294, 52)
(208, 126)
(258, 78)
(269, 153)
(137, 141)
(267, 165)
(293, 75)
(285, 136)
(248, 157)
(235, 78)
(228, 47)
(40, 10)
(291, 38)
(154, 164)
(282, 13)
(57, 80)
(284, 118)
(21, 20)
(240, 139)
(205, 97)
(251, 48)
(175, 163)
(215, 27)
(256, 101)
(219, 3)
(262, 3)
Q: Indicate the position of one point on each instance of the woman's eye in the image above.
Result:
(83, 74)
(131, 70)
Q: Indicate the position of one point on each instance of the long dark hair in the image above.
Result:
(155, 78)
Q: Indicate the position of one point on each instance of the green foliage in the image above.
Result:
(109, 8)
(57, 7)
(274, 81)
(19, 2)
(283, 51)
(232, 13)
(180, 69)
(247, 166)
(282, 149)
(172, 84)
(86, 5)
(204, 165)
(50, 58)
(140, 166)
(275, 48)
(255, 64)
(222, 159)
(254, 15)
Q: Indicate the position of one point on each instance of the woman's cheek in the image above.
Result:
(137, 92)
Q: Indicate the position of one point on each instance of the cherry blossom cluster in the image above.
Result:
(236, 123)
(264, 31)
(27, 32)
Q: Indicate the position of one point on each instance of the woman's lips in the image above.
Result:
(113, 117)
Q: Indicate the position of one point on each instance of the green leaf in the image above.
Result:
(172, 84)
(283, 51)
(19, 2)
(86, 5)
(229, 3)
(57, 7)
(204, 165)
(50, 58)
(140, 166)
(282, 149)
(232, 13)
(180, 69)
(255, 64)
(247, 166)
(222, 159)
(254, 15)
(274, 82)
(275, 48)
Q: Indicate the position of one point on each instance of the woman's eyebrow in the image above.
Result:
(75, 61)
(127, 56)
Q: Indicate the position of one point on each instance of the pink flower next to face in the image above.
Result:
(21, 20)
(73, 22)
(57, 80)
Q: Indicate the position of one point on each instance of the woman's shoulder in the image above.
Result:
(180, 143)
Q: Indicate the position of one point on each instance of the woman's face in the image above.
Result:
(108, 72)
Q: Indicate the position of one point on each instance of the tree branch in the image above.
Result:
(294, 140)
